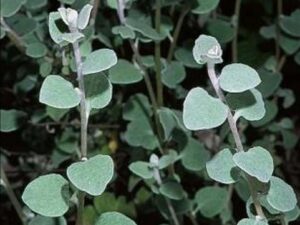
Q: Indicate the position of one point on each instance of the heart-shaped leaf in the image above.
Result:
(238, 77)
(211, 200)
(281, 196)
(98, 90)
(251, 222)
(58, 93)
(93, 175)
(256, 162)
(202, 111)
(290, 24)
(222, 168)
(114, 218)
(47, 195)
(99, 60)
(124, 73)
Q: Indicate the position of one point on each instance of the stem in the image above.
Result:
(277, 41)
(84, 113)
(237, 8)
(12, 196)
(13, 36)
(157, 55)
(177, 32)
(234, 130)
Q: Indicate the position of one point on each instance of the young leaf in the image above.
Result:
(207, 50)
(251, 222)
(194, 155)
(256, 162)
(47, 195)
(222, 168)
(58, 93)
(238, 77)
(55, 33)
(99, 60)
(202, 111)
(114, 218)
(141, 169)
(11, 120)
(93, 175)
(249, 105)
(98, 90)
(211, 200)
(124, 73)
(84, 16)
(281, 196)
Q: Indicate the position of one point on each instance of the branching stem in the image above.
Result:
(234, 130)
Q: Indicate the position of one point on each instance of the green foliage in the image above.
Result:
(47, 195)
(202, 111)
(93, 175)
(174, 146)
(256, 162)
(58, 93)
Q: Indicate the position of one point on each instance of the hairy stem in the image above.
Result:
(84, 113)
(13, 36)
(157, 55)
(237, 9)
(234, 130)
(177, 30)
(12, 196)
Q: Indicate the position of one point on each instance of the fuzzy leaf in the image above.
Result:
(222, 168)
(172, 190)
(99, 60)
(202, 111)
(281, 196)
(141, 169)
(84, 16)
(47, 195)
(238, 77)
(93, 175)
(124, 73)
(114, 218)
(58, 93)
(256, 162)
(251, 222)
(9, 7)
